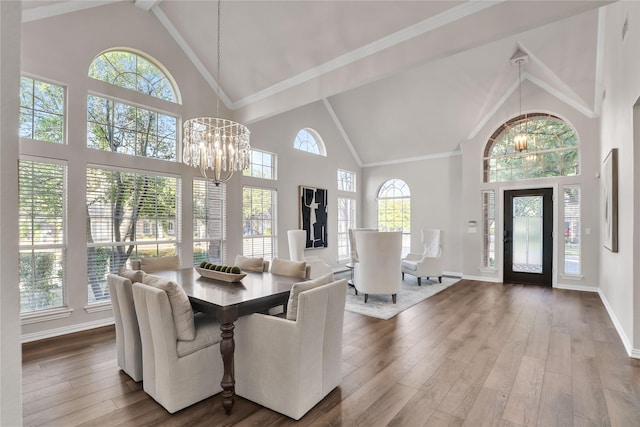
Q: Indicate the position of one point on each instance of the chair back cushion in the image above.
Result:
(352, 241)
(133, 275)
(150, 265)
(289, 268)
(180, 306)
(431, 240)
(297, 288)
(255, 265)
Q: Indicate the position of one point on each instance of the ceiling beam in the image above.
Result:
(61, 8)
(146, 5)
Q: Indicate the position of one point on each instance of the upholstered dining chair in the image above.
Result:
(289, 365)
(255, 265)
(151, 265)
(376, 271)
(128, 343)
(181, 357)
(429, 262)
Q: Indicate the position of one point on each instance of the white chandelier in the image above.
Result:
(218, 147)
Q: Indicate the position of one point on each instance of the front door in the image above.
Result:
(528, 236)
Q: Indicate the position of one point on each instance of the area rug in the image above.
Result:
(382, 307)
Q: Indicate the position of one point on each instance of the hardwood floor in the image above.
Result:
(476, 354)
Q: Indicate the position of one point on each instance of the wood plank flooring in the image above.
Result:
(476, 354)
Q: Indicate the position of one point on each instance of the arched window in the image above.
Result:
(309, 140)
(132, 71)
(552, 150)
(394, 210)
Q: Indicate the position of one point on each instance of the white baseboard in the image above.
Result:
(66, 330)
(452, 274)
(580, 288)
(481, 278)
(632, 352)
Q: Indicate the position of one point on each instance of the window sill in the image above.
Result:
(98, 307)
(45, 316)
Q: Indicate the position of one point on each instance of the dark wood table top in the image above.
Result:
(254, 290)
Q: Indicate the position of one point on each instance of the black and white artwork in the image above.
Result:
(313, 215)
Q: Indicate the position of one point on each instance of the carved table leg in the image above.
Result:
(227, 348)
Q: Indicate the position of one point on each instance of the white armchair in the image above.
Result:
(376, 271)
(352, 242)
(181, 353)
(429, 262)
(317, 267)
(291, 365)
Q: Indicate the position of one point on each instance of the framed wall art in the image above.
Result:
(313, 215)
(610, 200)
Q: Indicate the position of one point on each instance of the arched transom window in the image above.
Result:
(394, 210)
(552, 150)
(309, 140)
(132, 71)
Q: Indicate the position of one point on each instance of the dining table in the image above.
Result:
(254, 293)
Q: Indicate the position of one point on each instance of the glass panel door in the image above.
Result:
(528, 225)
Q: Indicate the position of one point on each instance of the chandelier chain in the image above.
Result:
(218, 66)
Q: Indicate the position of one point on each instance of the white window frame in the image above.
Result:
(403, 197)
(249, 171)
(346, 181)
(574, 231)
(309, 141)
(488, 260)
(33, 111)
(344, 224)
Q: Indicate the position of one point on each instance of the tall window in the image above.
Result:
(488, 229)
(132, 71)
(119, 203)
(346, 220)
(346, 181)
(553, 150)
(394, 210)
(41, 111)
(262, 165)
(309, 140)
(572, 230)
(123, 128)
(258, 222)
(209, 225)
(42, 204)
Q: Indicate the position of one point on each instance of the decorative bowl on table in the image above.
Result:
(220, 275)
(223, 272)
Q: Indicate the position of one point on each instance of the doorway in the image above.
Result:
(528, 236)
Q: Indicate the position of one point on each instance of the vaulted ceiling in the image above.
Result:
(418, 76)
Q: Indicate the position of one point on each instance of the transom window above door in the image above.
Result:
(552, 150)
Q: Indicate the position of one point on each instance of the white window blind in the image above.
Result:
(258, 222)
(209, 222)
(42, 204)
(119, 204)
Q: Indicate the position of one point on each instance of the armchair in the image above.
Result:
(317, 267)
(429, 262)
(376, 271)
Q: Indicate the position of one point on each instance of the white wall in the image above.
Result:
(620, 275)
(10, 354)
(436, 201)
(276, 135)
(535, 99)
